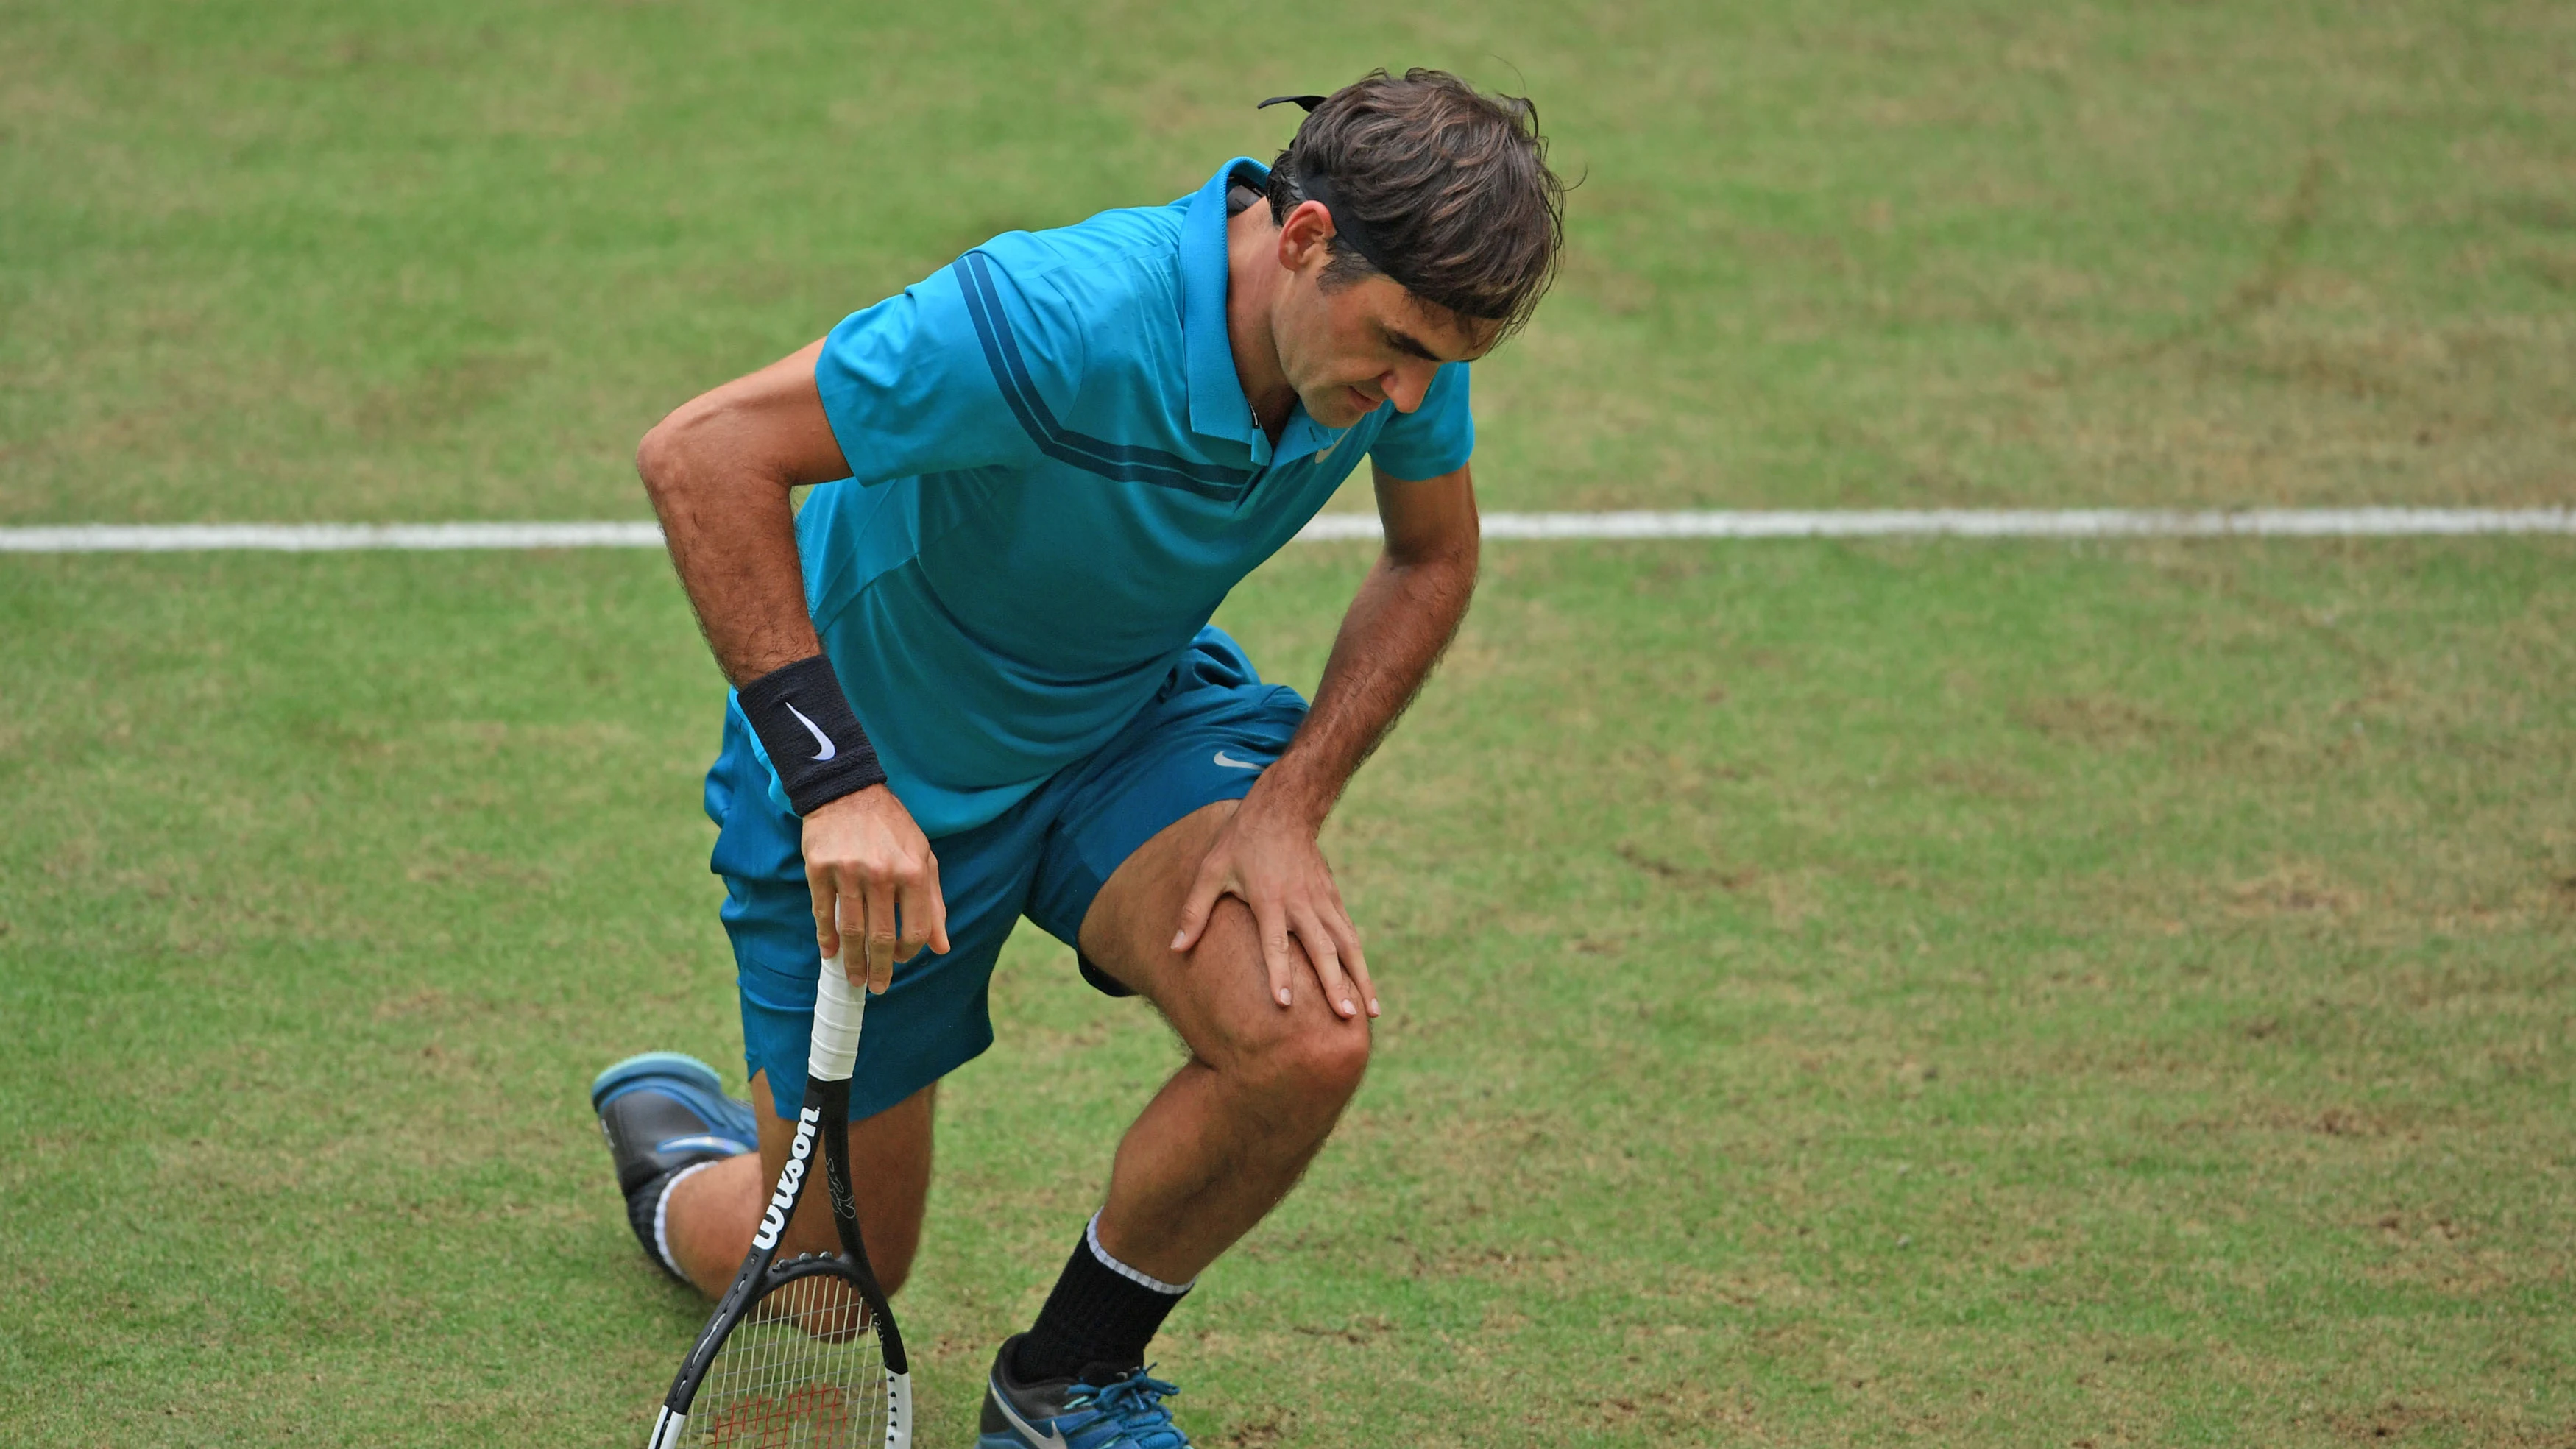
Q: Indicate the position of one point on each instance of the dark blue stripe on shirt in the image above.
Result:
(1122, 462)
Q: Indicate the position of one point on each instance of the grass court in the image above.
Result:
(1965, 993)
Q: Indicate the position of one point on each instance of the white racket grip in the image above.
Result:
(837, 1007)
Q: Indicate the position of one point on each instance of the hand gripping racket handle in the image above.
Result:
(837, 1008)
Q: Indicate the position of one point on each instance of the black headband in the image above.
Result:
(1347, 224)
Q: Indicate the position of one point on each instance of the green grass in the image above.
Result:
(1984, 994)
(1945, 993)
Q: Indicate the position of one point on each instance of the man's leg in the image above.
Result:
(713, 1213)
(1234, 1128)
(931, 1021)
(1219, 1145)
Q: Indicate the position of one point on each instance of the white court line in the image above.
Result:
(323, 537)
(2034, 523)
(1713, 523)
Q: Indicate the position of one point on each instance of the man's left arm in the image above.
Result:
(1405, 615)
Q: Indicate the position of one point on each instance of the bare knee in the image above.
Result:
(1298, 1058)
(1311, 1067)
(891, 1275)
(1329, 1062)
(891, 1237)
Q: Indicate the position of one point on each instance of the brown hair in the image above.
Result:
(1451, 185)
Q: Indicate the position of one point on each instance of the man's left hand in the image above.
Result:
(1268, 859)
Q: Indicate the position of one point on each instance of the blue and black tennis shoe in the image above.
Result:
(664, 1113)
(1097, 1410)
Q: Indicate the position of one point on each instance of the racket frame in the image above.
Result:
(825, 1115)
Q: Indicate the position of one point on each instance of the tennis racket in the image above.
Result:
(804, 1352)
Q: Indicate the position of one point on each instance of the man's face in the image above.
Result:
(1348, 348)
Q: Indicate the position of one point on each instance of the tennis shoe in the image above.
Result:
(1123, 1410)
(663, 1114)
(663, 1111)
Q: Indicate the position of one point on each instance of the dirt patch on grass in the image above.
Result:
(441, 396)
(2091, 719)
(2290, 889)
(1986, 781)
(1258, 1429)
(2391, 1420)
(2555, 269)
(1688, 876)
(2400, 1421)
(1680, 1414)
(2340, 1120)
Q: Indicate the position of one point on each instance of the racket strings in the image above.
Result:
(804, 1369)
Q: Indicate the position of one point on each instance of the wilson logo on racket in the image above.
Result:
(774, 1221)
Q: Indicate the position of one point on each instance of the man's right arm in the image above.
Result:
(719, 471)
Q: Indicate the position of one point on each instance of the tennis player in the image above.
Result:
(975, 680)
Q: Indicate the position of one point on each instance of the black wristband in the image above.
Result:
(813, 739)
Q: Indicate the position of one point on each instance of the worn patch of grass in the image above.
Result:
(1992, 994)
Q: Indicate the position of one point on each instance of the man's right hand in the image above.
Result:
(874, 878)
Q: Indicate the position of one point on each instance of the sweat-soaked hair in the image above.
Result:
(1452, 185)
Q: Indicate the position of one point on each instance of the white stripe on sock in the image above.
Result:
(662, 1214)
(1091, 1235)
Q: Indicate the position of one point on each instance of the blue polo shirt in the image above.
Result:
(1055, 479)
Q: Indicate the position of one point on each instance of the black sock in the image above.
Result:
(1097, 1321)
(644, 1213)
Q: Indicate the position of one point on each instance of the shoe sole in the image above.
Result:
(665, 1065)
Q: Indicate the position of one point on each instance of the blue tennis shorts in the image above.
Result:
(1204, 738)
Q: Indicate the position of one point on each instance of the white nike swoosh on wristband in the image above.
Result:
(1048, 1440)
(829, 749)
(1237, 764)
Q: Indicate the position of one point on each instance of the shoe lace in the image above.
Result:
(1135, 1405)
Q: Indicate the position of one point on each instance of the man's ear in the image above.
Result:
(1303, 235)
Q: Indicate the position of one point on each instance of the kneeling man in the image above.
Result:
(975, 680)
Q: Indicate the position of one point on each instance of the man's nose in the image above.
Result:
(1405, 386)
